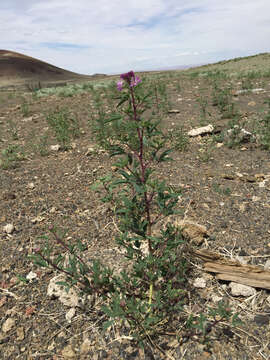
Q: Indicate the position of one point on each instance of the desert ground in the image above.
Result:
(46, 178)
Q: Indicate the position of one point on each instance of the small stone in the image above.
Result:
(56, 147)
(31, 276)
(241, 290)
(55, 290)
(267, 265)
(219, 145)
(51, 346)
(37, 219)
(8, 325)
(53, 210)
(85, 346)
(90, 151)
(70, 314)
(251, 103)
(31, 186)
(201, 131)
(68, 352)
(199, 283)
(173, 111)
(241, 260)
(9, 228)
(262, 320)
(192, 231)
(216, 298)
(20, 333)
(242, 207)
(206, 206)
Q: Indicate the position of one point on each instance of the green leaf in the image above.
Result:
(107, 324)
(113, 117)
(124, 99)
(164, 156)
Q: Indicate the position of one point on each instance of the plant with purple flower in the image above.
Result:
(149, 293)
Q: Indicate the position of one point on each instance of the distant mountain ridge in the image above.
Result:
(16, 66)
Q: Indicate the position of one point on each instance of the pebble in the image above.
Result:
(8, 325)
(31, 186)
(199, 283)
(9, 228)
(20, 333)
(85, 346)
(31, 276)
(70, 314)
(267, 265)
(55, 147)
(241, 290)
(68, 352)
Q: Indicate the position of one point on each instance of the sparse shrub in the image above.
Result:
(179, 139)
(42, 146)
(11, 156)
(221, 190)
(264, 131)
(64, 125)
(203, 104)
(222, 98)
(246, 83)
(34, 87)
(25, 109)
(13, 130)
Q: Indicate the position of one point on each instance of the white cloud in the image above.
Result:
(115, 36)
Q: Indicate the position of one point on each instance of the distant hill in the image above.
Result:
(19, 68)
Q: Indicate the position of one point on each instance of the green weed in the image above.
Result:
(64, 125)
(11, 156)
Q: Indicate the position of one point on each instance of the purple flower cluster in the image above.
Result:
(130, 78)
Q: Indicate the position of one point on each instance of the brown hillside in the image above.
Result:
(15, 67)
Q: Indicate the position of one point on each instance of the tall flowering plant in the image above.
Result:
(141, 202)
(149, 294)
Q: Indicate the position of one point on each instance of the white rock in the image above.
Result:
(31, 276)
(199, 283)
(68, 353)
(69, 299)
(241, 290)
(216, 298)
(89, 151)
(242, 260)
(9, 228)
(85, 346)
(31, 185)
(192, 231)
(70, 314)
(254, 91)
(8, 325)
(55, 147)
(202, 130)
(267, 265)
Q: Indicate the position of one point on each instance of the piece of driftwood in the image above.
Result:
(232, 270)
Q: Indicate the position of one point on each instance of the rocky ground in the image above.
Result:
(225, 182)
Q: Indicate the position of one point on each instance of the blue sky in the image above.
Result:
(113, 36)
